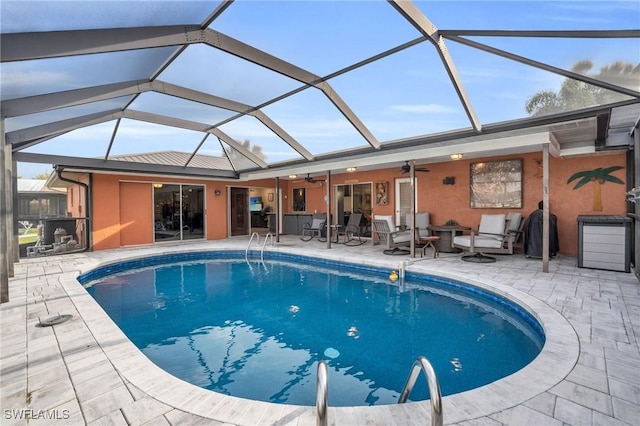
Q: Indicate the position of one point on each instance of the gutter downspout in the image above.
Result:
(87, 195)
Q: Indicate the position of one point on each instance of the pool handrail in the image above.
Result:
(246, 252)
(435, 395)
(322, 392)
(266, 238)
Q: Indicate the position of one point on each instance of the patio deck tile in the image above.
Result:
(526, 416)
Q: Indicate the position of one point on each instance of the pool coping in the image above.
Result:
(558, 357)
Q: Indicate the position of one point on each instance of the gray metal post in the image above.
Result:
(412, 225)
(636, 184)
(328, 222)
(12, 243)
(545, 209)
(277, 209)
(14, 208)
(4, 255)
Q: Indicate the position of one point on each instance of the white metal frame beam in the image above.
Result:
(25, 46)
(412, 14)
(39, 103)
(545, 67)
(122, 166)
(22, 138)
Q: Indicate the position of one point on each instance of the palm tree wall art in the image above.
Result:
(598, 177)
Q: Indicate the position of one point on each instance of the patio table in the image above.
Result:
(446, 234)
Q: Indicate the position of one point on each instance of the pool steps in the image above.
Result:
(266, 238)
(435, 395)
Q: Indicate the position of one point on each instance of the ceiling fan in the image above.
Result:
(310, 179)
(406, 168)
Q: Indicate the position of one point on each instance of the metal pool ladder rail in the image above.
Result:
(266, 238)
(246, 252)
(434, 388)
(321, 394)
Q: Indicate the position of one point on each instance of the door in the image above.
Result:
(239, 211)
(192, 212)
(403, 200)
(354, 198)
(178, 212)
(166, 212)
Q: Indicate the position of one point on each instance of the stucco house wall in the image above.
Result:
(122, 205)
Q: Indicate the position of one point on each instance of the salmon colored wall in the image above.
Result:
(443, 202)
(75, 201)
(216, 210)
(567, 203)
(106, 212)
(109, 229)
(136, 225)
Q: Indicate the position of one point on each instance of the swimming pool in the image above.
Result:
(163, 292)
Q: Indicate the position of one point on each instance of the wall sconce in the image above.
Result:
(456, 156)
(449, 180)
(351, 169)
(157, 185)
(217, 192)
(293, 176)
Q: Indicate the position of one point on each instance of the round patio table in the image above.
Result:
(446, 234)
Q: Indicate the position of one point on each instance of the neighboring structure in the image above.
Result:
(37, 201)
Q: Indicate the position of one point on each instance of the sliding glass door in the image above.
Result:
(178, 212)
(354, 198)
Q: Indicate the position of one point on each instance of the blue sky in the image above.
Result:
(404, 95)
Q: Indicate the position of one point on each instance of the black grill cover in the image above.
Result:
(533, 235)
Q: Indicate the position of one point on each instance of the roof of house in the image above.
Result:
(178, 159)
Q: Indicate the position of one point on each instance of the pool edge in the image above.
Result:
(558, 357)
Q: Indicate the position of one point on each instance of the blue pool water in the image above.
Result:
(258, 332)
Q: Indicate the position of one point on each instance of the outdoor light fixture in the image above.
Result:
(157, 185)
(292, 176)
(217, 192)
(351, 169)
(455, 156)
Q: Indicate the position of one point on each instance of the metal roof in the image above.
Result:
(269, 88)
(37, 186)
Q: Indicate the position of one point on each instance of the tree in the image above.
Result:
(43, 176)
(236, 157)
(574, 94)
(599, 177)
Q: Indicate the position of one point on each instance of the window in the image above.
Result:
(299, 199)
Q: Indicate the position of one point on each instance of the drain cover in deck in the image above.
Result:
(58, 319)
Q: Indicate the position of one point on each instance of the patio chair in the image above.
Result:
(392, 240)
(515, 228)
(313, 229)
(422, 224)
(351, 232)
(492, 237)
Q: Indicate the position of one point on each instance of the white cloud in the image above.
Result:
(22, 83)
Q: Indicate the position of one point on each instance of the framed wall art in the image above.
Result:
(382, 193)
(496, 184)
